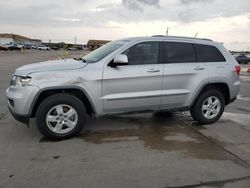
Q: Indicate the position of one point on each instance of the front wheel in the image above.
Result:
(209, 107)
(60, 116)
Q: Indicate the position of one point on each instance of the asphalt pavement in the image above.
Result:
(142, 150)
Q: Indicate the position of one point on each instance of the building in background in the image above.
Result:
(7, 38)
(94, 44)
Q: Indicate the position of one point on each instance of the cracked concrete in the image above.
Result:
(2, 115)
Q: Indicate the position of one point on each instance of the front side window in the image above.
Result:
(206, 53)
(143, 53)
(178, 52)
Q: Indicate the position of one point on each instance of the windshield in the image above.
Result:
(103, 51)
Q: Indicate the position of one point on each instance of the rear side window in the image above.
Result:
(206, 53)
(178, 52)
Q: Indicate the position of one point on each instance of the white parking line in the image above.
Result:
(242, 119)
(245, 78)
(243, 98)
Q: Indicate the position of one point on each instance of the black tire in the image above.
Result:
(57, 99)
(196, 110)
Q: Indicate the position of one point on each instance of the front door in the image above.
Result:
(136, 86)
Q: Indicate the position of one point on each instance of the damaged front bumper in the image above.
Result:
(20, 100)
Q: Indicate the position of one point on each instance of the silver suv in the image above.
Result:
(129, 75)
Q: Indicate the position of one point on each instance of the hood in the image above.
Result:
(54, 65)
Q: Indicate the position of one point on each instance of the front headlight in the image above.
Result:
(20, 81)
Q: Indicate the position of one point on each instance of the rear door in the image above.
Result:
(182, 76)
(136, 86)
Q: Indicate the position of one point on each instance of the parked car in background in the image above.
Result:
(54, 47)
(20, 46)
(72, 48)
(3, 48)
(8, 45)
(15, 46)
(34, 47)
(27, 46)
(242, 59)
(11, 48)
(43, 47)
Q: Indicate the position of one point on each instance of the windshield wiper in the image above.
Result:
(79, 59)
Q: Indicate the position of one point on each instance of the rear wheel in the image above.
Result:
(60, 116)
(209, 107)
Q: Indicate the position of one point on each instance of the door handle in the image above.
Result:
(153, 70)
(199, 68)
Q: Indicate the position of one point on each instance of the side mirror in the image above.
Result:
(119, 60)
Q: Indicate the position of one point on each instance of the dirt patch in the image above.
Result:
(56, 157)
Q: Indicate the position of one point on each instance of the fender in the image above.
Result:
(60, 88)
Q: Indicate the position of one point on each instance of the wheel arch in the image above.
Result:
(75, 91)
(220, 86)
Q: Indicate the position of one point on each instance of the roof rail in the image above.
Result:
(158, 36)
(180, 37)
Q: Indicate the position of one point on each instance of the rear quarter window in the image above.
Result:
(207, 53)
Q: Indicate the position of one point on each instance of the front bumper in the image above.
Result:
(232, 100)
(20, 100)
(22, 118)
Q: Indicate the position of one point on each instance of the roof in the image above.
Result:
(17, 37)
(172, 38)
(181, 37)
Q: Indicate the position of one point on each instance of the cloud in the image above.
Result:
(139, 4)
(196, 1)
(103, 7)
(204, 10)
(102, 16)
(96, 13)
(68, 19)
(31, 14)
(187, 15)
(106, 6)
(150, 2)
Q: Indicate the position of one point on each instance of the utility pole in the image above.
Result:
(75, 39)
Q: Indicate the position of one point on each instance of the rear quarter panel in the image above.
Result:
(224, 72)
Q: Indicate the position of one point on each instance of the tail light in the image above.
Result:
(237, 69)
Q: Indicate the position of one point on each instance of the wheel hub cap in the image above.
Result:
(211, 107)
(61, 118)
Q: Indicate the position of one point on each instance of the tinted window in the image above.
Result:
(143, 53)
(206, 53)
(178, 52)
